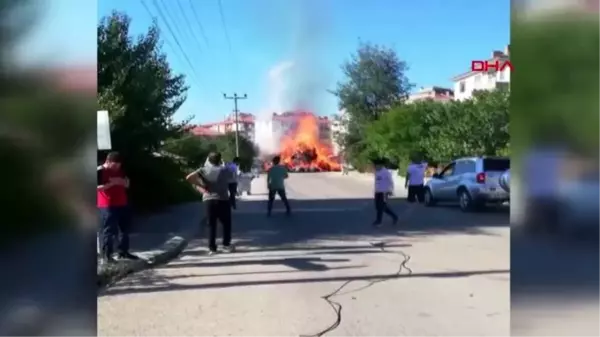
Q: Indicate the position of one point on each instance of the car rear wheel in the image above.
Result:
(429, 201)
(465, 201)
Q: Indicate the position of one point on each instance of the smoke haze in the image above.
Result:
(301, 81)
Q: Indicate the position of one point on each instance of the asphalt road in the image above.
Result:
(456, 281)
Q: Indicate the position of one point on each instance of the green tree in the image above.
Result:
(477, 126)
(403, 131)
(375, 82)
(226, 145)
(487, 122)
(441, 131)
(141, 92)
(194, 149)
(137, 86)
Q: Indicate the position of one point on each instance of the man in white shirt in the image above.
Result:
(415, 179)
(542, 176)
(384, 187)
(245, 182)
(344, 169)
(233, 166)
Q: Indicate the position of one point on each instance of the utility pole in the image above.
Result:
(235, 99)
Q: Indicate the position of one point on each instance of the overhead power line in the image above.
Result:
(170, 17)
(189, 26)
(224, 24)
(197, 20)
(234, 64)
(170, 29)
(168, 41)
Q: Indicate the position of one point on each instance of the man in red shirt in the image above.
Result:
(113, 206)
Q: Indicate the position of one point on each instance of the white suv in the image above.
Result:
(472, 182)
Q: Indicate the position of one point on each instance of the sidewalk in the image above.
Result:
(151, 231)
(156, 238)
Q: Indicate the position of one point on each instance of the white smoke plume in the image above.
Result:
(311, 42)
(301, 81)
(266, 134)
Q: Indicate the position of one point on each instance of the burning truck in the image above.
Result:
(302, 151)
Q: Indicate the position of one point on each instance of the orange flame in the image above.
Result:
(305, 139)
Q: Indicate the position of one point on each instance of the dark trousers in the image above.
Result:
(381, 207)
(232, 194)
(282, 196)
(542, 215)
(218, 211)
(416, 193)
(116, 223)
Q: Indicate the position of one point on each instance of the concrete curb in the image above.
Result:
(170, 249)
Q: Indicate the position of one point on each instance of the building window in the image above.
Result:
(501, 75)
(461, 87)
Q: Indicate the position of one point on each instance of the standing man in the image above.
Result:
(542, 172)
(384, 188)
(212, 181)
(276, 177)
(245, 182)
(345, 167)
(234, 167)
(415, 180)
(112, 202)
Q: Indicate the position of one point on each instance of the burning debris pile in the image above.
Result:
(302, 151)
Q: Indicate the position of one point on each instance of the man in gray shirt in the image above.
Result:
(212, 181)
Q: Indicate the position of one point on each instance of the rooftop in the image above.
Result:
(244, 117)
(434, 92)
(497, 55)
(435, 89)
(204, 131)
(296, 114)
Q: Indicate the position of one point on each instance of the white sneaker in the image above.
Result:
(229, 249)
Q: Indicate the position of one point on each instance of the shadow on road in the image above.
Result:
(320, 233)
(305, 249)
(149, 231)
(298, 263)
(166, 286)
(351, 219)
(254, 194)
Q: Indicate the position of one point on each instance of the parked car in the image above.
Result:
(505, 181)
(579, 200)
(472, 182)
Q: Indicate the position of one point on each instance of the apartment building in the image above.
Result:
(435, 93)
(245, 126)
(279, 124)
(468, 82)
(287, 122)
(338, 129)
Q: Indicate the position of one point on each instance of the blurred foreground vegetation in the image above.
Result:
(42, 127)
(555, 85)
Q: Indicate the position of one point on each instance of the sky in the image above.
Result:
(286, 54)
